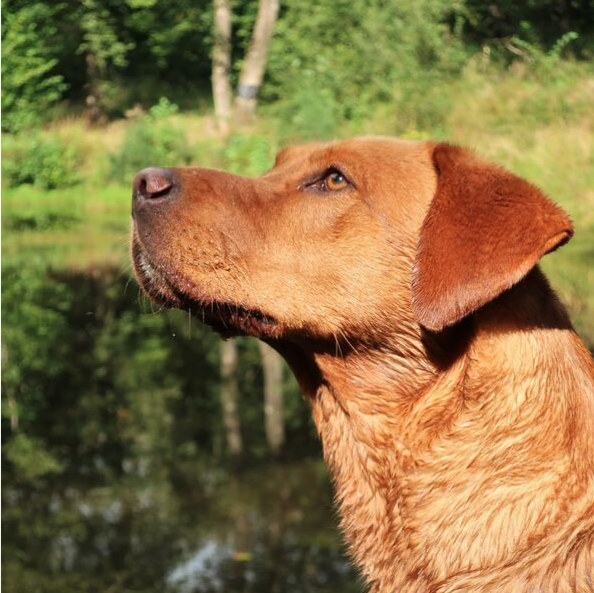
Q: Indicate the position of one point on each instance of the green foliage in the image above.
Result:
(40, 221)
(540, 23)
(100, 36)
(174, 34)
(154, 141)
(163, 109)
(30, 457)
(249, 154)
(34, 325)
(544, 63)
(311, 112)
(75, 227)
(522, 103)
(103, 43)
(359, 54)
(30, 83)
(88, 372)
(47, 163)
(556, 52)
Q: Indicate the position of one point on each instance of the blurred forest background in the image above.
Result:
(139, 452)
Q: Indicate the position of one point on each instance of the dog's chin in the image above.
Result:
(227, 319)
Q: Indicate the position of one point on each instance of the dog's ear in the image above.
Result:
(485, 230)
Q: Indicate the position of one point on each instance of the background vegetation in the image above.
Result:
(117, 474)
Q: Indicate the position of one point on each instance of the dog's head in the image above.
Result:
(340, 239)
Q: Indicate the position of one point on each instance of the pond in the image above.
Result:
(115, 472)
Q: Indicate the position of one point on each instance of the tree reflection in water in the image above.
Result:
(114, 473)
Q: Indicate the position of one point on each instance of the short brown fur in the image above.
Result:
(454, 401)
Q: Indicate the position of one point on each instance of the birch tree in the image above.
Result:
(254, 65)
(221, 64)
(273, 398)
(229, 396)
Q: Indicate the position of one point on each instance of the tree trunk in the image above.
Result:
(13, 411)
(221, 64)
(94, 111)
(255, 62)
(273, 398)
(13, 408)
(229, 395)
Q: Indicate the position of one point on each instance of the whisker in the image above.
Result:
(348, 342)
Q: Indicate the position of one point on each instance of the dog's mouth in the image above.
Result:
(168, 289)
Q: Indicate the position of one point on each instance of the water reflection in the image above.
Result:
(269, 529)
(113, 474)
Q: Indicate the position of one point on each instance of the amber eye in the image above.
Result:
(335, 181)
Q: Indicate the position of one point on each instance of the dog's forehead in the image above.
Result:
(367, 152)
(298, 152)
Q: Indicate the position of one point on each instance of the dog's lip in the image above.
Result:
(151, 279)
(228, 319)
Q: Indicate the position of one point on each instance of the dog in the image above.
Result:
(454, 401)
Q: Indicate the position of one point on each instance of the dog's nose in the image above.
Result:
(152, 183)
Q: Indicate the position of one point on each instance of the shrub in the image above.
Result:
(248, 154)
(311, 113)
(357, 54)
(30, 457)
(29, 82)
(544, 64)
(47, 163)
(154, 141)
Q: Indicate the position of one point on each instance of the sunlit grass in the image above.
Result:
(543, 131)
(74, 228)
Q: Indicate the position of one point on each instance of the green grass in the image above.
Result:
(542, 130)
(78, 227)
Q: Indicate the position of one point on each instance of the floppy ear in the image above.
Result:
(485, 230)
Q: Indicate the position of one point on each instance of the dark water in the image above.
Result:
(115, 476)
(270, 529)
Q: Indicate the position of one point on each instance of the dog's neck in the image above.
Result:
(408, 424)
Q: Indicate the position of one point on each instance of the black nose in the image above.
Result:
(152, 183)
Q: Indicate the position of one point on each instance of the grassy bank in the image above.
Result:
(74, 228)
(538, 123)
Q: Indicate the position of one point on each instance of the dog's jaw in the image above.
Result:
(170, 290)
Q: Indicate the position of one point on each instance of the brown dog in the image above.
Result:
(453, 398)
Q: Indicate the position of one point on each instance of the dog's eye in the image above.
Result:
(334, 181)
(330, 181)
